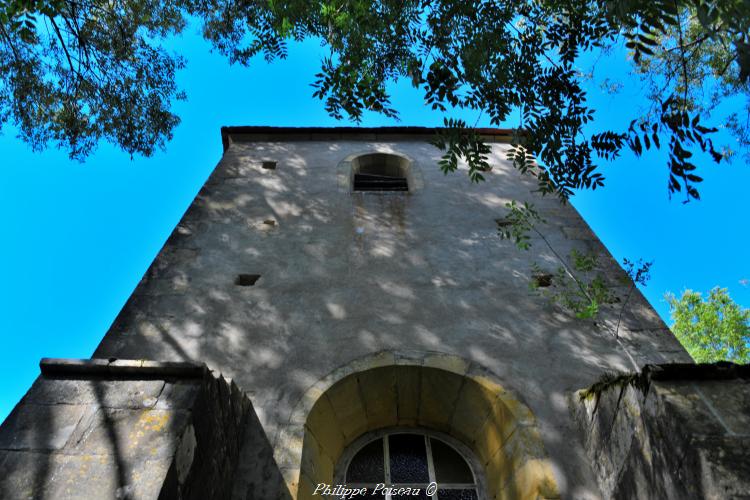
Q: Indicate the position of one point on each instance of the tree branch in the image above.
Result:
(10, 43)
(64, 47)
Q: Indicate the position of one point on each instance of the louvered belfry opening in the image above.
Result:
(380, 172)
(374, 182)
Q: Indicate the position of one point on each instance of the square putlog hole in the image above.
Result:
(503, 222)
(268, 165)
(246, 279)
(542, 280)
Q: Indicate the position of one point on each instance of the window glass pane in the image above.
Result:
(408, 458)
(457, 495)
(367, 465)
(450, 467)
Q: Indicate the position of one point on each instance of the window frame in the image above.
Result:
(465, 452)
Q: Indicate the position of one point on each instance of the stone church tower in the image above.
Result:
(332, 310)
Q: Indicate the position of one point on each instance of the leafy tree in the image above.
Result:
(694, 61)
(714, 329)
(76, 71)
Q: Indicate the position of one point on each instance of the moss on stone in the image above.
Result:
(612, 379)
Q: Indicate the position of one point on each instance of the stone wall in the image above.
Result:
(123, 429)
(676, 431)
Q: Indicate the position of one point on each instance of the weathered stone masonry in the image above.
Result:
(670, 432)
(123, 429)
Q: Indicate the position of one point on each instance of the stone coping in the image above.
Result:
(124, 368)
(264, 133)
(669, 372)
(721, 370)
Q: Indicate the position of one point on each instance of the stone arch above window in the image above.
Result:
(379, 171)
(431, 391)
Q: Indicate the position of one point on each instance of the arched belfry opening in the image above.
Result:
(380, 172)
(438, 399)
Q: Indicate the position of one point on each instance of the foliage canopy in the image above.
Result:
(714, 329)
(77, 71)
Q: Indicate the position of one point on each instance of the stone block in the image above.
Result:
(726, 463)
(40, 427)
(526, 472)
(325, 425)
(306, 403)
(24, 474)
(498, 470)
(85, 477)
(348, 409)
(438, 395)
(446, 362)
(521, 413)
(472, 411)
(534, 479)
(128, 434)
(620, 431)
(311, 454)
(487, 384)
(177, 395)
(124, 393)
(407, 389)
(523, 445)
(498, 426)
(378, 390)
(681, 400)
(730, 400)
(409, 357)
(79, 477)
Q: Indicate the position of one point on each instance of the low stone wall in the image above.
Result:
(123, 429)
(677, 431)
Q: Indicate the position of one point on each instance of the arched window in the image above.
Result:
(411, 459)
(380, 172)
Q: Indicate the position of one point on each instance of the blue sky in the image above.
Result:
(78, 237)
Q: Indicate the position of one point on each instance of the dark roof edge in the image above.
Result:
(263, 133)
